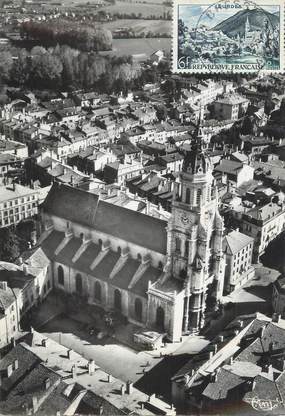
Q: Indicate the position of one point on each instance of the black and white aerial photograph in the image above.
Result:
(142, 212)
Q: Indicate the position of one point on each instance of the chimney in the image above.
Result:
(16, 364)
(252, 385)
(74, 370)
(268, 369)
(35, 404)
(69, 354)
(214, 375)
(44, 342)
(129, 387)
(9, 370)
(110, 378)
(276, 317)
(91, 367)
(3, 285)
(47, 383)
(239, 323)
(123, 389)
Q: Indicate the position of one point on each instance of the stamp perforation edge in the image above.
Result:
(232, 68)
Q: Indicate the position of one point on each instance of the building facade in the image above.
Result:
(238, 255)
(263, 224)
(17, 202)
(155, 273)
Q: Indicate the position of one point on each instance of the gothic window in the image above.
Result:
(100, 243)
(81, 236)
(177, 244)
(160, 265)
(160, 318)
(117, 299)
(138, 309)
(60, 275)
(139, 257)
(97, 291)
(78, 283)
(186, 248)
(199, 194)
(187, 199)
(119, 250)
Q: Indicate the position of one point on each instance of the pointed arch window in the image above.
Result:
(187, 198)
(60, 275)
(177, 244)
(199, 195)
(78, 283)
(97, 291)
(186, 248)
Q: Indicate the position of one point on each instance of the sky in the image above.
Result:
(190, 14)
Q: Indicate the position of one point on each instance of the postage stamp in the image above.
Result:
(228, 36)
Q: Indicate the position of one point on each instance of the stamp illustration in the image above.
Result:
(228, 36)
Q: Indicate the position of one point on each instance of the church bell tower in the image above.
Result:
(195, 232)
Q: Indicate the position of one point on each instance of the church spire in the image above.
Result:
(195, 160)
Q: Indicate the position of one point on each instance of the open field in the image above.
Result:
(142, 9)
(141, 46)
(140, 26)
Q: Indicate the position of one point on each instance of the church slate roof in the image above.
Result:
(102, 271)
(81, 207)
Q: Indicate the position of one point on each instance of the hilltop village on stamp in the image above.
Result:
(142, 219)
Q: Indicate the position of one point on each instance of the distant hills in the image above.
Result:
(236, 23)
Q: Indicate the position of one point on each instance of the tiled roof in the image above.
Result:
(236, 241)
(90, 404)
(33, 385)
(266, 212)
(104, 268)
(85, 208)
(26, 359)
(229, 166)
(226, 381)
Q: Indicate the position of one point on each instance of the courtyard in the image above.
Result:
(112, 348)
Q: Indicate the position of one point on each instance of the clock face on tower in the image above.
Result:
(185, 219)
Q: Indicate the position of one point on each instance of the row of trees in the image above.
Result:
(64, 67)
(82, 37)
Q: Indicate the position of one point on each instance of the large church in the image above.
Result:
(159, 275)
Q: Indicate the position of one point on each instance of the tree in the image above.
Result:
(247, 126)
(21, 68)
(161, 112)
(9, 245)
(46, 69)
(6, 64)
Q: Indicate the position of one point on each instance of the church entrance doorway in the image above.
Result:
(117, 300)
(160, 318)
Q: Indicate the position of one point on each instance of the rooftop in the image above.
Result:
(236, 241)
(8, 192)
(84, 208)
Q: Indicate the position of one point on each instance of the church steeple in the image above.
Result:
(192, 232)
(196, 161)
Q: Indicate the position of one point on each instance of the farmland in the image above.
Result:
(141, 47)
(143, 10)
(140, 26)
